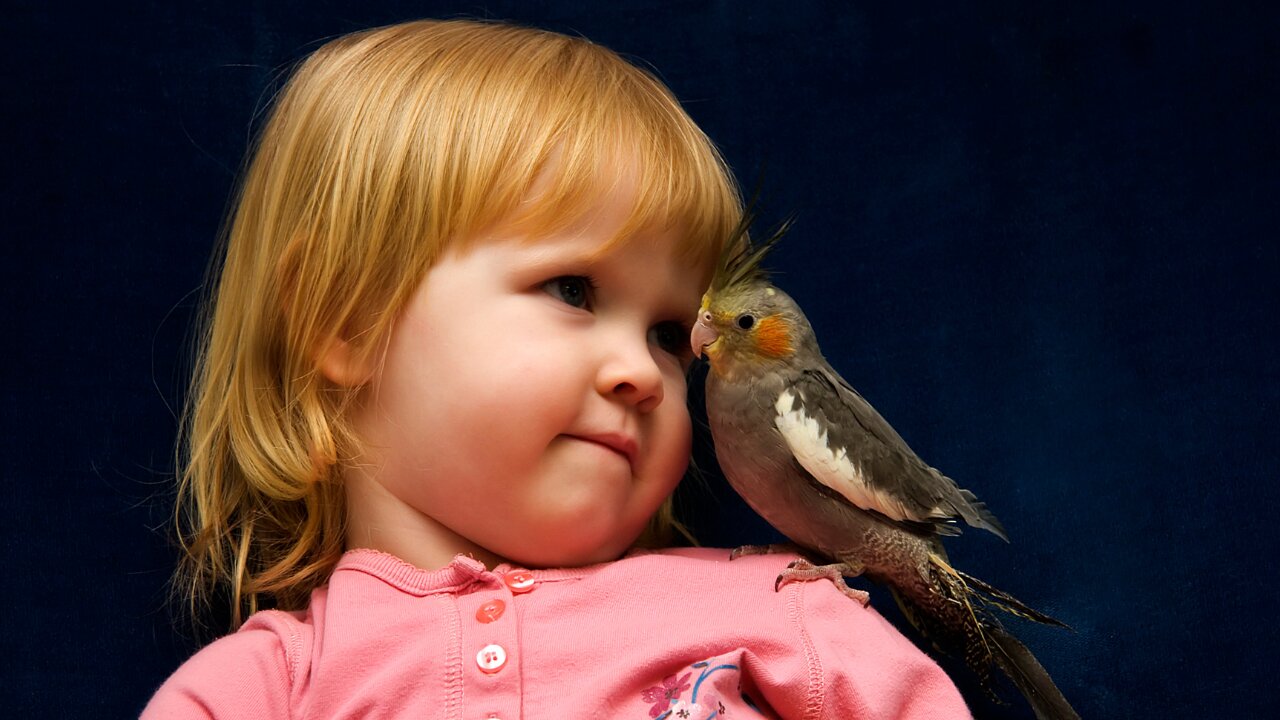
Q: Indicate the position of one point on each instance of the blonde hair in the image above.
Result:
(385, 147)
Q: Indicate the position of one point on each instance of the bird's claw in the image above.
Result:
(804, 571)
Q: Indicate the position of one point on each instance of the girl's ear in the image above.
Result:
(343, 364)
(338, 359)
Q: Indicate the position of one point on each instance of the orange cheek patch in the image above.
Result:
(772, 338)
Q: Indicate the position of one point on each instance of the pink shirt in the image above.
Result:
(675, 635)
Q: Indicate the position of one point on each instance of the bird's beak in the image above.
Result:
(703, 335)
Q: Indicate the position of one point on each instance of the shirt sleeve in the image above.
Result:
(869, 669)
(243, 675)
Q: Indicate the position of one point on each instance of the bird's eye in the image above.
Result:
(572, 290)
(746, 321)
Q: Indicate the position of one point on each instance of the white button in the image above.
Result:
(491, 658)
(519, 581)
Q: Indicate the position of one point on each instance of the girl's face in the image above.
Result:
(531, 404)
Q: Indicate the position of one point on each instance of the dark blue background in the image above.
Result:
(1042, 240)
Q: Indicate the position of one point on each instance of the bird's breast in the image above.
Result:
(758, 463)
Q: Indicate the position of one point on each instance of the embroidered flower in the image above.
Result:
(662, 695)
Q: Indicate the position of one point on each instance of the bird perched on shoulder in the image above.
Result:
(817, 462)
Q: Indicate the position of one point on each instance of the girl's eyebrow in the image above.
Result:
(545, 254)
(563, 258)
(575, 260)
(543, 261)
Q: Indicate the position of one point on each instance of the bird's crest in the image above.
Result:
(740, 262)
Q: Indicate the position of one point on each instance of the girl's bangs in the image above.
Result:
(639, 137)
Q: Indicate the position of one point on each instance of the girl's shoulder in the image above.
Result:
(802, 645)
(712, 581)
(249, 673)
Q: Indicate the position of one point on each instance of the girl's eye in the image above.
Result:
(672, 337)
(572, 290)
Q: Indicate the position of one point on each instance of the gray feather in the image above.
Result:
(891, 466)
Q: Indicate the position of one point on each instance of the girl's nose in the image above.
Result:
(631, 375)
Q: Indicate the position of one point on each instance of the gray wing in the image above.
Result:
(846, 446)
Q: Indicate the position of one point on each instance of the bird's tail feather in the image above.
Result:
(1007, 602)
(1030, 677)
(987, 643)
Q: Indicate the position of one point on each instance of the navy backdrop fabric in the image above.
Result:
(1041, 240)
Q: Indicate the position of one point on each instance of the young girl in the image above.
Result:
(441, 401)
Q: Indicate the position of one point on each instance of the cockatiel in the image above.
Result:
(817, 462)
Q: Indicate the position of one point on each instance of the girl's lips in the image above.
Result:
(620, 443)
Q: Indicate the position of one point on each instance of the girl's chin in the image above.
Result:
(563, 557)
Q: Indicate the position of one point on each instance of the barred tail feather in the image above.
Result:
(985, 642)
(1030, 677)
(1009, 603)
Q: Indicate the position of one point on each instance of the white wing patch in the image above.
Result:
(830, 466)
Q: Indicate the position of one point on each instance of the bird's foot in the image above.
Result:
(804, 571)
(773, 549)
